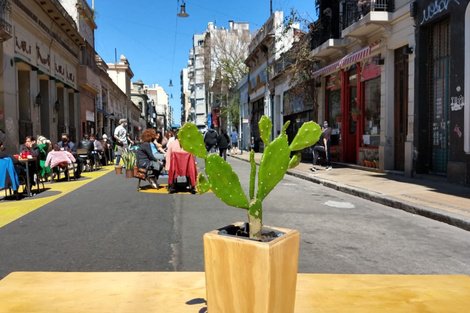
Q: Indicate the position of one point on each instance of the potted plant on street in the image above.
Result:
(338, 118)
(355, 113)
(118, 169)
(250, 267)
(129, 159)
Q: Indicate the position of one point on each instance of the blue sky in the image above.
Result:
(157, 42)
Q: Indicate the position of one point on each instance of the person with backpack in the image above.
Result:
(210, 139)
(223, 143)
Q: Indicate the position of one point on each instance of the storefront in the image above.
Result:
(352, 107)
(442, 121)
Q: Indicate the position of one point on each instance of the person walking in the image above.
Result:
(322, 147)
(122, 139)
(210, 139)
(222, 143)
(234, 141)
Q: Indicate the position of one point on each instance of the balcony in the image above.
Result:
(88, 79)
(361, 21)
(5, 25)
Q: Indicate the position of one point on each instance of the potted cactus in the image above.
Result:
(271, 278)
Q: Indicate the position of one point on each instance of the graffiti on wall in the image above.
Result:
(456, 103)
(436, 7)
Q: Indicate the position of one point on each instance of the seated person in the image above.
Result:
(157, 147)
(146, 159)
(44, 146)
(67, 145)
(97, 149)
(57, 158)
(29, 147)
(89, 146)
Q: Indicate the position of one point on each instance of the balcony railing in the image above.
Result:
(323, 29)
(352, 12)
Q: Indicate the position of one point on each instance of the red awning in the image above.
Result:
(345, 61)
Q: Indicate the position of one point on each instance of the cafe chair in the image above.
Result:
(87, 159)
(67, 169)
(144, 174)
(8, 177)
(183, 166)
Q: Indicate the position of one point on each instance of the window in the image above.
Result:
(372, 112)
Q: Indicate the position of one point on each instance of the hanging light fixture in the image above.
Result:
(171, 83)
(57, 106)
(183, 11)
(38, 100)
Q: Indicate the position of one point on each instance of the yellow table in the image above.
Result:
(175, 292)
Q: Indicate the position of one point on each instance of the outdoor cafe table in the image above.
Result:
(27, 162)
(74, 292)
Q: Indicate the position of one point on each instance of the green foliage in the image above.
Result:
(275, 161)
(129, 158)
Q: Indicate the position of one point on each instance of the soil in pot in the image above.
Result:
(267, 234)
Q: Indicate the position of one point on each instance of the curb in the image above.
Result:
(428, 212)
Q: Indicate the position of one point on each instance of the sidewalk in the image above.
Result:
(427, 196)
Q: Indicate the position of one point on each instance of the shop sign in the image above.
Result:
(90, 116)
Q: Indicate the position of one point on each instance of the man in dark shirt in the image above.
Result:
(322, 147)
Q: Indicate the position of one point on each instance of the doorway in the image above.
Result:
(350, 130)
(400, 108)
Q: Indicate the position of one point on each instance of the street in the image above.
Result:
(106, 225)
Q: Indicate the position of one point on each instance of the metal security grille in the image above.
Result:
(438, 84)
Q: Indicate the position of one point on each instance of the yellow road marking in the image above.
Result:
(12, 210)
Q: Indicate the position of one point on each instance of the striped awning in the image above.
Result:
(345, 61)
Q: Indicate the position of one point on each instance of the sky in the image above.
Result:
(156, 42)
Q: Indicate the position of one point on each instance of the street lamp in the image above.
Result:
(183, 10)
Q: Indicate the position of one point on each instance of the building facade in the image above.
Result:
(160, 101)
(366, 81)
(39, 85)
(441, 110)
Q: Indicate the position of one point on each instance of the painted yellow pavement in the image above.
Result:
(22, 292)
(12, 210)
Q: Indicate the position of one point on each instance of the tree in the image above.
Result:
(226, 53)
(297, 63)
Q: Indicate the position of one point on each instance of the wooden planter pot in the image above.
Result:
(244, 275)
(129, 173)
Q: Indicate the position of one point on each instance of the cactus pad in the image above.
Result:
(202, 185)
(224, 182)
(295, 160)
(273, 165)
(192, 140)
(265, 126)
(306, 136)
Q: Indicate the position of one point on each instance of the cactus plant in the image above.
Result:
(275, 162)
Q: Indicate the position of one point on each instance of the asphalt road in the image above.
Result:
(107, 225)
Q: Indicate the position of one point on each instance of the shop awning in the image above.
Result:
(345, 61)
(103, 112)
